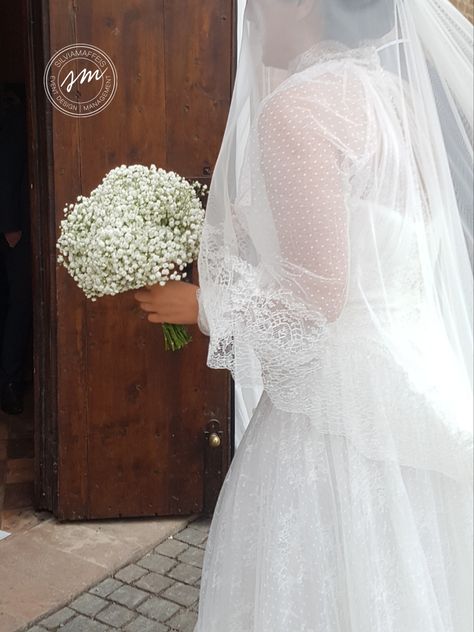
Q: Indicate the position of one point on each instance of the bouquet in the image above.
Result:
(140, 226)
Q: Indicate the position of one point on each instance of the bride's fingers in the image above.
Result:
(142, 295)
(148, 307)
(155, 318)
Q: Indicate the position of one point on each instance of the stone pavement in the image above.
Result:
(157, 593)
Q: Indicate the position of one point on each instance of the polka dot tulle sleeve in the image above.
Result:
(305, 189)
(292, 204)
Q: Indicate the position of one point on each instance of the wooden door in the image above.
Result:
(125, 428)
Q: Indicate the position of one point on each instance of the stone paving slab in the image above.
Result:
(47, 565)
(157, 593)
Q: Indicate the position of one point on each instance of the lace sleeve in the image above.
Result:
(202, 321)
(279, 311)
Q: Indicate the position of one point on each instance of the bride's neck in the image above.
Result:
(305, 40)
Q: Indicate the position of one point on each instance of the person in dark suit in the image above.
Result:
(15, 248)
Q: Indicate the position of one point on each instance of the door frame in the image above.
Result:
(43, 243)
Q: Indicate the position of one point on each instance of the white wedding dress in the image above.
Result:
(309, 535)
(348, 503)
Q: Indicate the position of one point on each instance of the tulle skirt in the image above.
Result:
(310, 535)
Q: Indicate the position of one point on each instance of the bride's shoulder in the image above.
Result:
(328, 104)
(330, 87)
(331, 93)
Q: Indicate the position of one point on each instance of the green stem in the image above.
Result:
(176, 337)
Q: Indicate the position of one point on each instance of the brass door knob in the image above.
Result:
(214, 440)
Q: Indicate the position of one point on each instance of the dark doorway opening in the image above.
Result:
(16, 348)
(26, 449)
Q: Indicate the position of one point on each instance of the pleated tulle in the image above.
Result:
(311, 535)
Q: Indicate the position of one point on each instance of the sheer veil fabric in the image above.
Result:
(335, 270)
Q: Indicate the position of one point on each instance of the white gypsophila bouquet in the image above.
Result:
(140, 226)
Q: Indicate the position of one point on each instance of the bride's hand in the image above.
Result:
(174, 303)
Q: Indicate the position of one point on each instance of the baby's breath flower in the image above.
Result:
(137, 224)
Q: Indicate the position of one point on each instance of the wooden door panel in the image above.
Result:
(130, 416)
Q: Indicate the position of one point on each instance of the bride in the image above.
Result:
(336, 269)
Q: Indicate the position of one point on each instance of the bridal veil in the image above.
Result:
(340, 212)
(335, 270)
